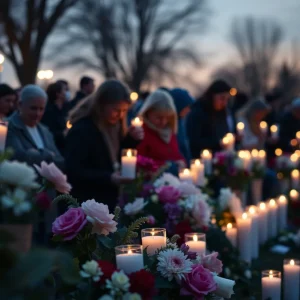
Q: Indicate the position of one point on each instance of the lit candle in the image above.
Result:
(186, 175)
(245, 156)
(282, 212)
(298, 137)
(196, 242)
(263, 127)
(3, 134)
(231, 234)
(278, 152)
(137, 122)
(244, 238)
(129, 158)
(69, 125)
(197, 170)
(273, 218)
(291, 269)
(263, 223)
(295, 175)
(274, 131)
(154, 239)
(271, 285)
(228, 142)
(207, 160)
(129, 258)
(252, 211)
(240, 126)
(294, 159)
(262, 157)
(294, 195)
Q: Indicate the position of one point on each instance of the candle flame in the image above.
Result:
(298, 135)
(274, 128)
(244, 216)
(129, 153)
(229, 225)
(278, 152)
(152, 232)
(206, 153)
(263, 124)
(197, 162)
(69, 125)
(240, 125)
(293, 194)
(292, 262)
(282, 199)
(129, 252)
(252, 210)
(225, 140)
(272, 202)
(254, 152)
(295, 173)
(195, 238)
(186, 171)
(262, 206)
(137, 120)
(262, 153)
(241, 154)
(271, 274)
(294, 157)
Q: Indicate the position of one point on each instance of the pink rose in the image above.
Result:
(146, 164)
(198, 283)
(98, 214)
(55, 176)
(188, 189)
(69, 224)
(212, 263)
(151, 220)
(201, 212)
(168, 194)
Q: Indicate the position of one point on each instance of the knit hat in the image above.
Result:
(6, 90)
(181, 98)
(32, 91)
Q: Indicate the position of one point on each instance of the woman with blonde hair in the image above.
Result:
(160, 128)
(94, 143)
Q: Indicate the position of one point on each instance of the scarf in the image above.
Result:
(165, 134)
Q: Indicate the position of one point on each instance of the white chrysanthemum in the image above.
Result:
(171, 245)
(92, 270)
(167, 179)
(18, 174)
(172, 263)
(135, 207)
(119, 283)
(17, 201)
(225, 195)
(132, 296)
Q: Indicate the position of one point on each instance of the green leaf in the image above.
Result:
(106, 241)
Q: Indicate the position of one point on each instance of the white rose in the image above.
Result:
(119, 282)
(92, 270)
(132, 296)
(18, 174)
(135, 207)
(167, 179)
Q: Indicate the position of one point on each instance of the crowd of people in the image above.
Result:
(84, 136)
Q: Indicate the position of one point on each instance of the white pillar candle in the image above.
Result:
(298, 137)
(196, 242)
(186, 176)
(244, 239)
(295, 175)
(228, 142)
(240, 126)
(197, 170)
(129, 158)
(3, 134)
(274, 131)
(294, 158)
(294, 195)
(271, 285)
(231, 234)
(291, 275)
(129, 258)
(137, 122)
(273, 218)
(282, 212)
(263, 127)
(252, 212)
(154, 239)
(263, 223)
(207, 160)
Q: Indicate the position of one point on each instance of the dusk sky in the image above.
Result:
(215, 41)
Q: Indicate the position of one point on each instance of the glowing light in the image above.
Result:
(244, 216)
(69, 125)
(274, 128)
(229, 226)
(134, 96)
(263, 125)
(2, 59)
(292, 262)
(195, 238)
(233, 92)
(278, 152)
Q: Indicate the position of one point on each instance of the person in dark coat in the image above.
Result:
(87, 87)
(289, 126)
(7, 100)
(94, 143)
(209, 120)
(183, 102)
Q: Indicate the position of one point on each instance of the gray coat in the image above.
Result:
(25, 149)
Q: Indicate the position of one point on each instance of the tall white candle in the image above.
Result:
(197, 170)
(196, 242)
(207, 160)
(252, 212)
(231, 234)
(129, 258)
(262, 157)
(295, 176)
(137, 122)
(263, 223)
(154, 239)
(129, 163)
(244, 238)
(186, 176)
(274, 131)
(272, 218)
(291, 269)
(240, 126)
(3, 134)
(282, 212)
(263, 127)
(271, 285)
(228, 142)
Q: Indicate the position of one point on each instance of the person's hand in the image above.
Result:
(117, 179)
(136, 133)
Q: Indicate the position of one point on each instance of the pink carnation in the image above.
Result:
(146, 164)
(168, 194)
(212, 263)
(198, 283)
(55, 176)
(69, 224)
(98, 214)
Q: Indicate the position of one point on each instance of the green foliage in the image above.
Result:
(117, 213)
(130, 234)
(174, 238)
(71, 201)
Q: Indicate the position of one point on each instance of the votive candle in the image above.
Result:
(129, 159)
(197, 170)
(186, 175)
(294, 195)
(271, 285)
(295, 175)
(137, 122)
(240, 126)
(274, 131)
(153, 239)
(196, 242)
(263, 127)
(206, 157)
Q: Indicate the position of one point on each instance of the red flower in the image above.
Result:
(146, 164)
(181, 229)
(43, 201)
(107, 268)
(142, 283)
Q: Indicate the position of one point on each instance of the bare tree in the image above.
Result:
(135, 40)
(24, 29)
(257, 42)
